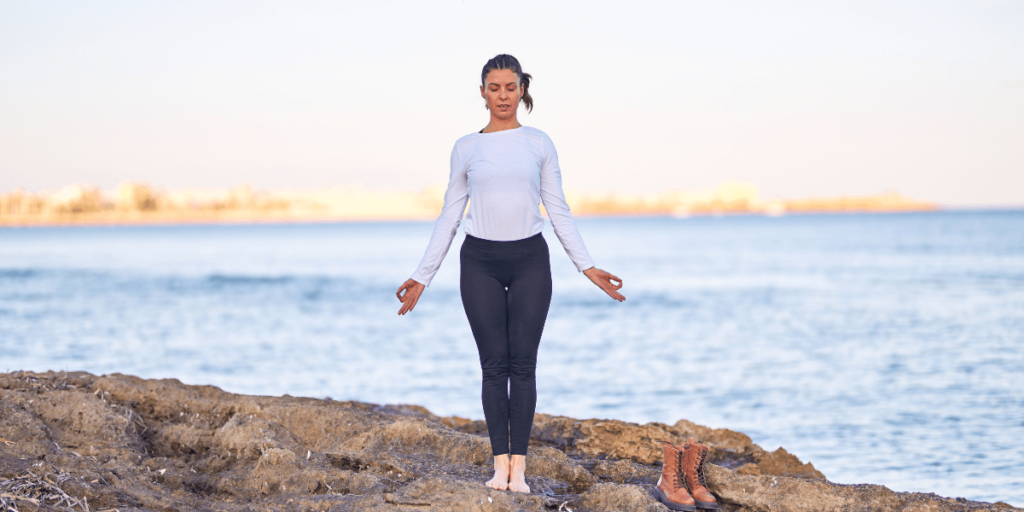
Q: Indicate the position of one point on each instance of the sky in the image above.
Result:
(805, 99)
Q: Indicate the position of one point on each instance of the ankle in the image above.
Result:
(517, 463)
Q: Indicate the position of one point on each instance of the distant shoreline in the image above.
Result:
(135, 203)
(159, 220)
(210, 221)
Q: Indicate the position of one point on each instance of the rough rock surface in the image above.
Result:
(125, 443)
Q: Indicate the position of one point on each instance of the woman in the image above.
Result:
(504, 171)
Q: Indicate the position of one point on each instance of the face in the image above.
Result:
(502, 93)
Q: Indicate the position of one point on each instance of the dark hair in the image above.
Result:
(505, 61)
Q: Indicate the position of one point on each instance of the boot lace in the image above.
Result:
(700, 467)
(680, 475)
(680, 480)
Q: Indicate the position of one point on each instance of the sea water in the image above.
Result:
(883, 348)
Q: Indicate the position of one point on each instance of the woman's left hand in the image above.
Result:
(606, 281)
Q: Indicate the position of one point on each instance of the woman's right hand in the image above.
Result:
(412, 290)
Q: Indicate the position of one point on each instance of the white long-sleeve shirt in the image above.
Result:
(504, 176)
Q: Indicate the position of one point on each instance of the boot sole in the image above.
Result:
(706, 505)
(671, 504)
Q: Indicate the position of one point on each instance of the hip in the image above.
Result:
(531, 251)
(529, 244)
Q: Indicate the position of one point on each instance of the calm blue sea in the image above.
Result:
(883, 348)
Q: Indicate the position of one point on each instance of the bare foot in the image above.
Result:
(517, 479)
(501, 467)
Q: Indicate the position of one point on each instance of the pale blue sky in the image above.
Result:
(802, 98)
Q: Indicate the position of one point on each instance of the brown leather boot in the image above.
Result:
(671, 489)
(694, 457)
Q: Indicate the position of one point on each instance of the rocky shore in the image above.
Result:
(77, 441)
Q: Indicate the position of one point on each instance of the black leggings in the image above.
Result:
(506, 291)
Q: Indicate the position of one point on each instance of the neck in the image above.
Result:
(497, 125)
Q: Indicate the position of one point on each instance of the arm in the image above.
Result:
(455, 199)
(565, 226)
(558, 210)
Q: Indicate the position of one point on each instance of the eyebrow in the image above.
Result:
(499, 85)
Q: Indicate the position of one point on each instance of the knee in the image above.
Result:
(524, 372)
(495, 374)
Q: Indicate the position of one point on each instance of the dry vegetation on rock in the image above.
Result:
(77, 441)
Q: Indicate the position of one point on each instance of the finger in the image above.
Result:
(407, 303)
(608, 289)
(614, 294)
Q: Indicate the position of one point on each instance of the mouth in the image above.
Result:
(504, 106)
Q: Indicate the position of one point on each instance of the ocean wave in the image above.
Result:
(17, 273)
(242, 280)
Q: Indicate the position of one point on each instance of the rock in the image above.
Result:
(771, 493)
(780, 463)
(129, 443)
(617, 497)
(640, 444)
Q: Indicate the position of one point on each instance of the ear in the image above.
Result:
(482, 94)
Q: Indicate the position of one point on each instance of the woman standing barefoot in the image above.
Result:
(504, 171)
